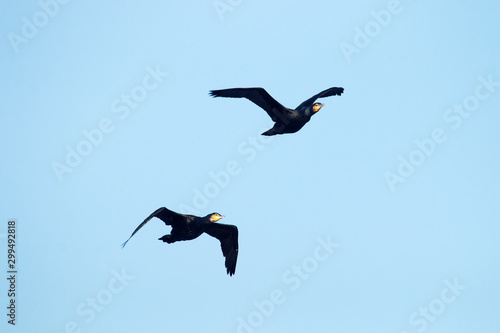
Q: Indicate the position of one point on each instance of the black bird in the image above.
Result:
(286, 120)
(187, 227)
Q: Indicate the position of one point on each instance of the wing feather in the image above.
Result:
(334, 91)
(228, 236)
(258, 96)
(167, 216)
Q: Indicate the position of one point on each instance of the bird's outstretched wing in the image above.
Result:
(228, 236)
(164, 214)
(258, 96)
(325, 93)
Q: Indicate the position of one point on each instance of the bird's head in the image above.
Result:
(216, 217)
(317, 106)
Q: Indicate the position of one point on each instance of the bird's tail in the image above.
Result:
(269, 132)
(167, 239)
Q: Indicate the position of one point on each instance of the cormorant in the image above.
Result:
(286, 120)
(187, 227)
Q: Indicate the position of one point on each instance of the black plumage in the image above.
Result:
(187, 227)
(286, 120)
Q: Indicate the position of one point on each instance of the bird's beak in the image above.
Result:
(318, 107)
(217, 218)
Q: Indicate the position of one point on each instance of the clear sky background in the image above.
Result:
(380, 215)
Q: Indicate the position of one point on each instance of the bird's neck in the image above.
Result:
(308, 112)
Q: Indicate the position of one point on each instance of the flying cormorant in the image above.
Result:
(286, 120)
(187, 227)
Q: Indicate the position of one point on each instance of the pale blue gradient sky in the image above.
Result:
(398, 250)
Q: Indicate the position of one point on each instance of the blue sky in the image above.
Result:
(380, 215)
